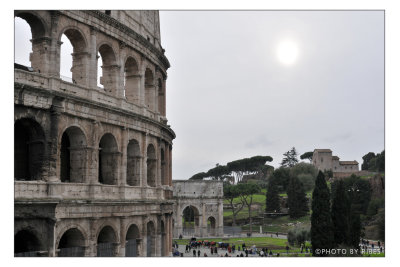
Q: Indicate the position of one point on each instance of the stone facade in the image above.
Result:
(93, 174)
(205, 199)
(323, 160)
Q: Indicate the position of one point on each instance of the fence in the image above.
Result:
(105, 249)
(72, 252)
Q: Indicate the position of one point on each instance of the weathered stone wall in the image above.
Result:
(206, 198)
(84, 154)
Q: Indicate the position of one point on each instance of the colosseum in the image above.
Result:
(92, 172)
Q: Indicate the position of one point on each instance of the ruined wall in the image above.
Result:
(96, 161)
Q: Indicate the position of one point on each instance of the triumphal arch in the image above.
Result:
(198, 210)
(93, 151)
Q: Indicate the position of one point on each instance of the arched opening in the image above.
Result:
(30, 54)
(190, 221)
(131, 81)
(26, 244)
(163, 240)
(133, 164)
(73, 57)
(132, 242)
(211, 223)
(108, 160)
(151, 240)
(73, 156)
(151, 166)
(163, 168)
(109, 68)
(161, 97)
(106, 242)
(149, 91)
(72, 244)
(29, 149)
(23, 45)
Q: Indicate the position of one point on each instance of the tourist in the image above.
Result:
(261, 253)
(226, 254)
(194, 253)
(212, 251)
(198, 253)
(205, 254)
(241, 254)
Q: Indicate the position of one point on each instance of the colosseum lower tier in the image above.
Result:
(92, 168)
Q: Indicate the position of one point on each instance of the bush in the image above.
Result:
(374, 205)
(298, 236)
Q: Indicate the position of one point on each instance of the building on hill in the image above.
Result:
(323, 160)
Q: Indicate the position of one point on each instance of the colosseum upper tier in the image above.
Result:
(93, 163)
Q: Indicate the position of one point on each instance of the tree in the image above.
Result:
(366, 159)
(272, 198)
(355, 230)
(218, 172)
(306, 173)
(307, 155)
(290, 158)
(198, 176)
(340, 213)
(282, 176)
(297, 200)
(230, 193)
(246, 195)
(247, 166)
(321, 222)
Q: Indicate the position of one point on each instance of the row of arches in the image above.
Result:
(119, 71)
(74, 242)
(30, 151)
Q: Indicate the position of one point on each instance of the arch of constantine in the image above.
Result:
(93, 163)
(198, 209)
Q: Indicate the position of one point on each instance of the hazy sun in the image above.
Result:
(287, 52)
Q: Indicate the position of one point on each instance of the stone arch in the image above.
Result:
(72, 243)
(29, 149)
(190, 220)
(133, 163)
(132, 80)
(40, 43)
(27, 243)
(106, 242)
(211, 225)
(151, 165)
(149, 89)
(108, 160)
(150, 239)
(109, 68)
(73, 155)
(132, 241)
(80, 55)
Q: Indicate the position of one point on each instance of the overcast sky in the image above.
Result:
(230, 97)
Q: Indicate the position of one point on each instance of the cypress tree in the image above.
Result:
(272, 198)
(355, 230)
(297, 199)
(340, 213)
(321, 222)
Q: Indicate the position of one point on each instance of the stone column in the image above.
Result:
(92, 66)
(220, 218)
(55, 113)
(170, 165)
(92, 242)
(124, 157)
